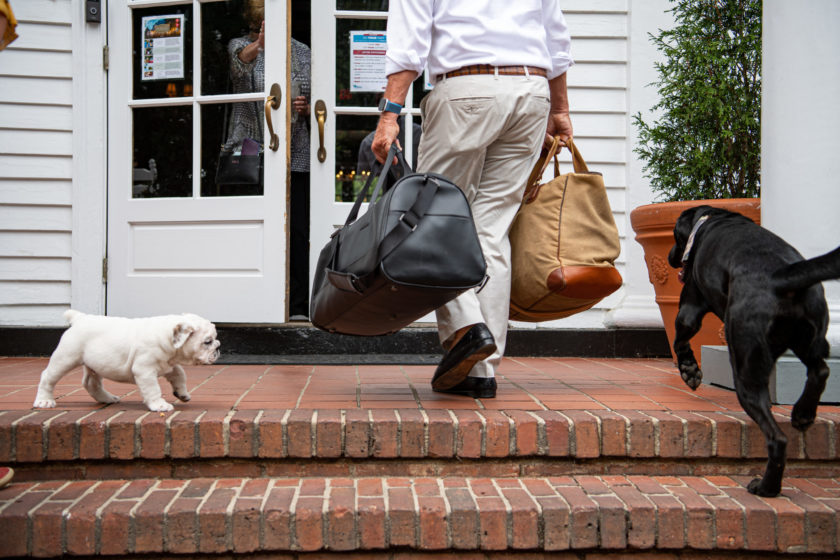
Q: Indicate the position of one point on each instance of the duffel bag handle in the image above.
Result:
(383, 175)
(542, 164)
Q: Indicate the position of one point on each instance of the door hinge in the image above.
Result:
(104, 270)
(105, 57)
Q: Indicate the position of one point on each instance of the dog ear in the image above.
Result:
(181, 333)
(682, 229)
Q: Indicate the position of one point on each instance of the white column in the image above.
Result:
(800, 132)
(638, 306)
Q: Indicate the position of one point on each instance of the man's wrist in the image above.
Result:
(388, 117)
(388, 106)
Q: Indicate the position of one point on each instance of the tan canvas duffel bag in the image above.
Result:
(564, 242)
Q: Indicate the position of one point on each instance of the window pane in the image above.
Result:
(221, 22)
(162, 152)
(344, 96)
(363, 5)
(227, 169)
(162, 52)
(353, 158)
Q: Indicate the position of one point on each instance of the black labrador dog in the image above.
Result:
(770, 300)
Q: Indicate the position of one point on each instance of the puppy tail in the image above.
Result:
(71, 314)
(804, 274)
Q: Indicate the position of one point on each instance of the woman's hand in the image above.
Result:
(301, 106)
(261, 37)
(252, 50)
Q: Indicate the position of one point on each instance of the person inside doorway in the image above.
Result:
(247, 70)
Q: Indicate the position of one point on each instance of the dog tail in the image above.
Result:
(71, 314)
(803, 274)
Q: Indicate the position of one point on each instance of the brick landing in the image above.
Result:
(593, 456)
(524, 384)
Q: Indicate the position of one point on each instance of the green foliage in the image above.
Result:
(706, 140)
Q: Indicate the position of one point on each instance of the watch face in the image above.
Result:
(382, 103)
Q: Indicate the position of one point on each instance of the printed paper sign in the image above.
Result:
(367, 61)
(162, 45)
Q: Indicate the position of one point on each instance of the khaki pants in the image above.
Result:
(484, 133)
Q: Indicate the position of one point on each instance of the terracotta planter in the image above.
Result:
(654, 227)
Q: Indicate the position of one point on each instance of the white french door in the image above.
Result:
(178, 238)
(348, 79)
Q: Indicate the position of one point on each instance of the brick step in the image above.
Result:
(110, 443)
(580, 513)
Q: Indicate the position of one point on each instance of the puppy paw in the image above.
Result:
(107, 398)
(755, 487)
(184, 397)
(44, 403)
(160, 405)
(691, 374)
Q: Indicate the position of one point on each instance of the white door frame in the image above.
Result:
(90, 164)
(221, 257)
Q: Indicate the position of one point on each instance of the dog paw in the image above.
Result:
(755, 487)
(802, 421)
(182, 397)
(108, 398)
(160, 405)
(691, 374)
(44, 403)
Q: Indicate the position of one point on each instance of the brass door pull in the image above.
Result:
(321, 115)
(272, 102)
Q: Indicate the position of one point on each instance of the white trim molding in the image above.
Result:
(90, 161)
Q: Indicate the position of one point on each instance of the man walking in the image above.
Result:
(499, 70)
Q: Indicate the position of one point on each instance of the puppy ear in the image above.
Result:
(181, 333)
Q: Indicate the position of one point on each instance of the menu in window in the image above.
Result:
(367, 61)
(162, 47)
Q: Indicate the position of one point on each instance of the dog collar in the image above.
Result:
(690, 243)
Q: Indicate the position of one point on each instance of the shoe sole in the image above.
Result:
(458, 373)
(491, 394)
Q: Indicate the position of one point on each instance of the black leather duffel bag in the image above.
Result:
(412, 251)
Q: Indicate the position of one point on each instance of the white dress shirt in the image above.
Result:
(450, 34)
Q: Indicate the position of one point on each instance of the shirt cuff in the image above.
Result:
(400, 61)
(560, 64)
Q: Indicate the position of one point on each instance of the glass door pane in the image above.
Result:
(168, 114)
(233, 63)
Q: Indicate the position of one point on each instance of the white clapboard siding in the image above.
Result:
(37, 192)
(598, 101)
(36, 165)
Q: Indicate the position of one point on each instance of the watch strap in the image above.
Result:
(390, 106)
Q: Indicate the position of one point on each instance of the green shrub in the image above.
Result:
(706, 139)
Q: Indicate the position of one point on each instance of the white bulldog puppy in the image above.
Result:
(130, 351)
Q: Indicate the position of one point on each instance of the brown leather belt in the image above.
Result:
(490, 69)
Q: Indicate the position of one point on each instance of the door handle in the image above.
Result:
(321, 116)
(272, 102)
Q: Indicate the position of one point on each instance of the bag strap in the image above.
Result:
(392, 153)
(410, 218)
(542, 164)
(577, 159)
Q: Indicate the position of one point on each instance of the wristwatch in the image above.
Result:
(390, 106)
